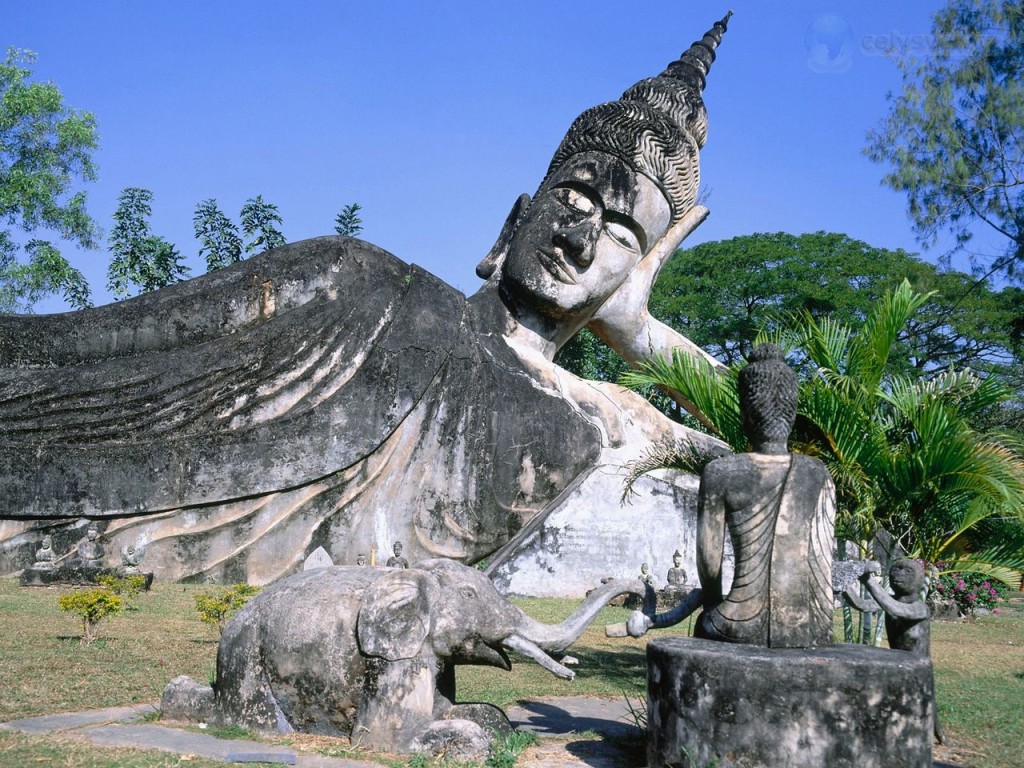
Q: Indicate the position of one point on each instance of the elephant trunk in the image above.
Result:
(557, 637)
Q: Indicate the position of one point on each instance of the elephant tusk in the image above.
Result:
(532, 651)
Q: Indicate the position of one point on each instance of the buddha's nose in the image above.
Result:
(575, 243)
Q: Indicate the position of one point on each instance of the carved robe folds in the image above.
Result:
(325, 393)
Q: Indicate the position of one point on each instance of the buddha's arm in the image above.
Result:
(710, 537)
(624, 323)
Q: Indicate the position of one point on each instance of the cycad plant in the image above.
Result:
(903, 453)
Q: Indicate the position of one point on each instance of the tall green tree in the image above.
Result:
(141, 261)
(954, 136)
(219, 242)
(349, 223)
(45, 150)
(903, 451)
(721, 294)
(260, 222)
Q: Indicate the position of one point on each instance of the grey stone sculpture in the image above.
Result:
(368, 653)
(396, 560)
(130, 559)
(676, 576)
(328, 394)
(44, 555)
(779, 511)
(907, 615)
(90, 552)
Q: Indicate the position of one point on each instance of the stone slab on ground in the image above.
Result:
(575, 718)
(69, 721)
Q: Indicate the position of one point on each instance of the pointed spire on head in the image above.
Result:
(698, 58)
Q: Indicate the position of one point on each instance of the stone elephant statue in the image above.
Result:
(369, 653)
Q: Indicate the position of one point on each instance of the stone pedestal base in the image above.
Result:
(737, 706)
(73, 575)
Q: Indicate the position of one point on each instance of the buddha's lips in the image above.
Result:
(556, 267)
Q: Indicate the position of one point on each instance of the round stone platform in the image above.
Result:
(747, 706)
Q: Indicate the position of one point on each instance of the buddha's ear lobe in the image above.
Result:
(493, 260)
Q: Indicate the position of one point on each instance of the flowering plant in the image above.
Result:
(969, 591)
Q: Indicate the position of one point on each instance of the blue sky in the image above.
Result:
(434, 116)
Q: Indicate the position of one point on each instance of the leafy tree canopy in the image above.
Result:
(954, 136)
(141, 260)
(260, 222)
(218, 236)
(722, 294)
(348, 223)
(45, 148)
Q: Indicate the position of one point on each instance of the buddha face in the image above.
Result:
(677, 560)
(587, 228)
(397, 549)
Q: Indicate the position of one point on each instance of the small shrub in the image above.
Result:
(128, 587)
(969, 591)
(505, 750)
(217, 606)
(92, 606)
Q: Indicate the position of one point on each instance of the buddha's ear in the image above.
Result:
(493, 260)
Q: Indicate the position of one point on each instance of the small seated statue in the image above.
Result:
(396, 560)
(130, 559)
(645, 574)
(778, 508)
(676, 588)
(90, 551)
(635, 602)
(45, 555)
(676, 575)
(360, 559)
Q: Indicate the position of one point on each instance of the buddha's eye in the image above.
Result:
(623, 235)
(575, 200)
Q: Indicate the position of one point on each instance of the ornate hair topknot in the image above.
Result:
(657, 127)
(768, 393)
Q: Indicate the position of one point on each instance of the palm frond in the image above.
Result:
(681, 455)
(712, 393)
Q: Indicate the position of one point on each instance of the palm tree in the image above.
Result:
(902, 452)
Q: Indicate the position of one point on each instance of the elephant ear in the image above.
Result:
(394, 619)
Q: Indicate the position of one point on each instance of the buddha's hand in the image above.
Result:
(623, 319)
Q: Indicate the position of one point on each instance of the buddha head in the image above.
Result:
(768, 394)
(677, 559)
(625, 172)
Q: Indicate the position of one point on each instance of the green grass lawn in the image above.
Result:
(979, 670)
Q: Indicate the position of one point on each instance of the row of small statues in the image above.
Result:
(89, 554)
(675, 578)
(395, 561)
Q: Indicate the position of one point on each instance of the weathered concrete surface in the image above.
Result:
(322, 394)
(589, 535)
(846, 706)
